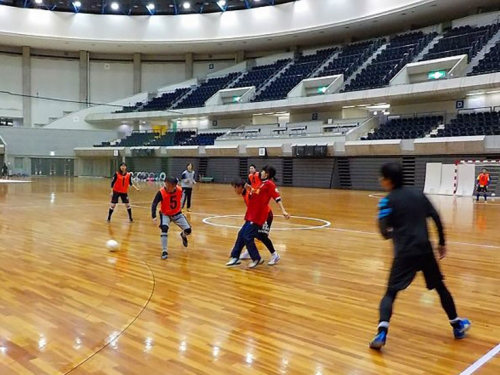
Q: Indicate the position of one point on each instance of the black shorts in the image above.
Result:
(404, 269)
(266, 228)
(482, 189)
(123, 196)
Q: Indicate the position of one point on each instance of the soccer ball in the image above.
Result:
(493, 194)
(112, 245)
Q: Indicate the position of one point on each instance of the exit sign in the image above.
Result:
(322, 89)
(436, 74)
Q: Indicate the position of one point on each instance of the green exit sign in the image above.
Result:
(436, 74)
(236, 99)
(322, 89)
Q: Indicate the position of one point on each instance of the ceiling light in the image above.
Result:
(38, 1)
(186, 5)
(77, 4)
(221, 3)
(150, 6)
(115, 6)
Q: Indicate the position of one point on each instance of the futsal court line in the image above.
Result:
(346, 230)
(481, 361)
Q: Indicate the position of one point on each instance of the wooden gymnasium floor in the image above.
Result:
(68, 306)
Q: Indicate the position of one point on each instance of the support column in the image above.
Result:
(84, 78)
(137, 73)
(240, 57)
(189, 65)
(27, 87)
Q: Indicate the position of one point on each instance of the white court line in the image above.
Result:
(324, 225)
(14, 181)
(378, 196)
(481, 361)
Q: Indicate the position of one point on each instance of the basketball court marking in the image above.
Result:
(324, 223)
(481, 361)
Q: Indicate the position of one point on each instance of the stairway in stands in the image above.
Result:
(344, 173)
(165, 165)
(203, 167)
(287, 171)
(244, 168)
(408, 170)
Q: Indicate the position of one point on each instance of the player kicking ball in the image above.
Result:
(403, 217)
(263, 236)
(255, 217)
(170, 198)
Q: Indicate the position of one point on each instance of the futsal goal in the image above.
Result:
(460, 178)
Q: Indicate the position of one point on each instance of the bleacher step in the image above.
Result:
(484, 51)
(367, 62)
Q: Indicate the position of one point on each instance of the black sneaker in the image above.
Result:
(164, 254)
(131, 220)
(184, 240)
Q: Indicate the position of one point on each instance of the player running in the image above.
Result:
(170, 197)
(255, 217)
(263, 236)
(403, 217)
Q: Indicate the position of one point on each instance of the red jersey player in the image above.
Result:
(119, 189)
(263, 236)
(170, 198)
(255, 217)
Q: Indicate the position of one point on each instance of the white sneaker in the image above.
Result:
(233, 262)
(275, 258)
(255, 263)
(245, 255)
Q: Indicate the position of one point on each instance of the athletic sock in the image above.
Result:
(383, 327)
(164, 240)
(129, 210)
(455, 323)
(110, 213)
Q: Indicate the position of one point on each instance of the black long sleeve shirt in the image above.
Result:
(158, 199)
(403, 217)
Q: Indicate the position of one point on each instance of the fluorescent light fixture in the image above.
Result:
(493, 92)
(39, 1)
(77, 4)
(150, 6)
(186, 5)
(473, 93)
(221, 3)
(348, 106)
(379, 106)
(115, 6)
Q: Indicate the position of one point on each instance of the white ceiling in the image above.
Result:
(313, 25)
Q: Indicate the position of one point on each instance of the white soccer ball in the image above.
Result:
(493, 194)
(112, 245)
